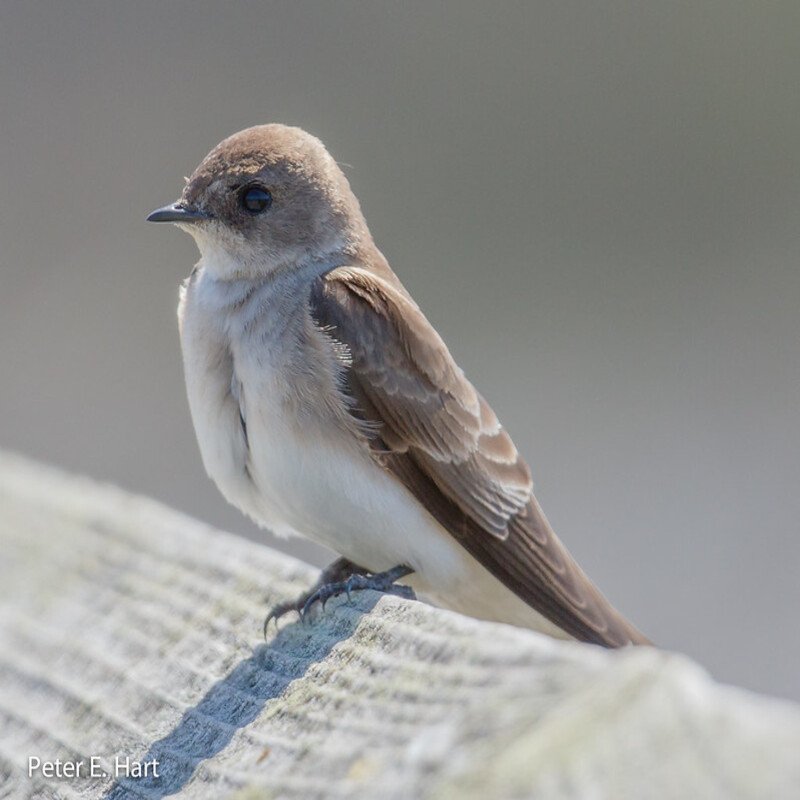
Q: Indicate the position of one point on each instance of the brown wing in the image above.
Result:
(443, 441)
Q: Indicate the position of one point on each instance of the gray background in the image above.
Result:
(595, 203)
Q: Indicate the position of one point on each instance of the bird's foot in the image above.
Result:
(377, 581)
(343, 577)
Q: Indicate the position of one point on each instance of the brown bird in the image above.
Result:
(326, 405)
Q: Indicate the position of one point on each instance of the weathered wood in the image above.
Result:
(129, 630)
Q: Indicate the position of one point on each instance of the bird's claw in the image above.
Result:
(380, 581)
(276, 612)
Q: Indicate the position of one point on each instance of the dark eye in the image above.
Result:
(255, 199)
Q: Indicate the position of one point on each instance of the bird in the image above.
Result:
(326, 405)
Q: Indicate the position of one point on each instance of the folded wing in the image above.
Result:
(437, 435)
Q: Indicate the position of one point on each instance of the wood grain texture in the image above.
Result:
(127, 629)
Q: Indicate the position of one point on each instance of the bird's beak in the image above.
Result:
(176, 212)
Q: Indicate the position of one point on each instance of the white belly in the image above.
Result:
(321, 483)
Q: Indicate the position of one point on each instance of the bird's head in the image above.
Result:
(267, 198)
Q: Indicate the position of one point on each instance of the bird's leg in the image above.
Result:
(343, 577)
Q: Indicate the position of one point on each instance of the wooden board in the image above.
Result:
(131, 633)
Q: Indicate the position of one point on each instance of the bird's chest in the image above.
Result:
(267, 413)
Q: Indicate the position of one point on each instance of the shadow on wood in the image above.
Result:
(233, 703)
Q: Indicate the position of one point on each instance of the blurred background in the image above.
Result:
(597, 205)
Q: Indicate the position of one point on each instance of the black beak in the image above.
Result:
(175, 212)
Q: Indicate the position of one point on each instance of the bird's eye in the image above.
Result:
(255, 199)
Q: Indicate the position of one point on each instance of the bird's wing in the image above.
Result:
(443, 441)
